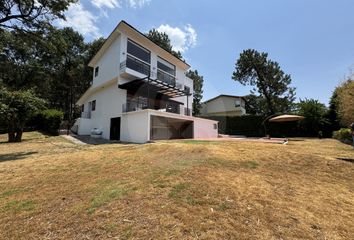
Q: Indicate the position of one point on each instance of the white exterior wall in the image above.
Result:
(135, 127)
(108, 64)
(109, 101)
(180, 73)
(85, 126)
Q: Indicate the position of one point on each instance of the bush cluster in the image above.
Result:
(344, 135)
(48, 121)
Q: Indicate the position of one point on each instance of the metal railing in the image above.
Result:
(136, 65)
(164, 77)
(132, 106)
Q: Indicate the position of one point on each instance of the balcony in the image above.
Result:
(143, 103)
(166, 78)
(133, 68)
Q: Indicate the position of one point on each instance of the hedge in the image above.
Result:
(48, 121)
(251, 126)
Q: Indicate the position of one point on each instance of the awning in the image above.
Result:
(286, 118)
(153, 85)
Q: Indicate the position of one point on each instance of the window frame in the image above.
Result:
(143, 48)
(97, 68)
(159, 69)
(93, 105)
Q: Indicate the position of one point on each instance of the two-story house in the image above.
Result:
(139, 92)
(224, 105)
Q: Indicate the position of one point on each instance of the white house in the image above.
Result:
(224, 105)
(139, 93)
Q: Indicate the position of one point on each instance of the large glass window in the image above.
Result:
(166, 66)
(138, 51)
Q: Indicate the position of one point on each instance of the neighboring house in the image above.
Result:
(224, 105)
(139, 93)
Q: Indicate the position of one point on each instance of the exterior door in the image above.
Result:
(115, 129)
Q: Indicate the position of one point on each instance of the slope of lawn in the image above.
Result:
(53, 189)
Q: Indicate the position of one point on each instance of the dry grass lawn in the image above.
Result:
(53, 189)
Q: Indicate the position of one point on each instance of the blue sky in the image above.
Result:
(312, 40)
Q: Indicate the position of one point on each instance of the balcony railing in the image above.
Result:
(164, 77)
(144, 68)
(136, 65)
(132, 106)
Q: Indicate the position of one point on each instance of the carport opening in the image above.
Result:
(164, 128)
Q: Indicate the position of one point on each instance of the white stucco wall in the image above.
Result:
(109, 101)
(85, 126)
(135, 127)
(108, 64)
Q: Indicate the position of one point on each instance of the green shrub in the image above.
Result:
(344, 134)
(49, 121)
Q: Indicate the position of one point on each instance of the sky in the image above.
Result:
(312, 40)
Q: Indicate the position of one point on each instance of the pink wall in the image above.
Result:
(204, 128)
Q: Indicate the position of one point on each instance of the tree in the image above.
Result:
(67, 63)
(31, 15)
(314, 113)
(346, 102)
(19, 57)
(198, 90)
(162, 40)
(267, 78)
(255, 105)
(332, 114)
(16, 108)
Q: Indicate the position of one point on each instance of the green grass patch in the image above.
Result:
(108, 190)
(177, 190)
(19, 206)
(11, 192)
(249, 164)
(110, 227)
(224, 206)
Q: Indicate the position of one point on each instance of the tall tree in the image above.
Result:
(346, 102)
(255, 105)
(332, 113)
(314, 113)
(269, 81)
(198, 90)
(67, 64)
(31, 15)
(162, 40)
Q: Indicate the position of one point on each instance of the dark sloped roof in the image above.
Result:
(223, 95)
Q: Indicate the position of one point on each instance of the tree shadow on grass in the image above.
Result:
(15, 156)
(351, 160)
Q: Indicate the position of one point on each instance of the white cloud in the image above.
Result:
(181, 39)
(137, 3)
(106, 3)
(119, 3)
(81, 20)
